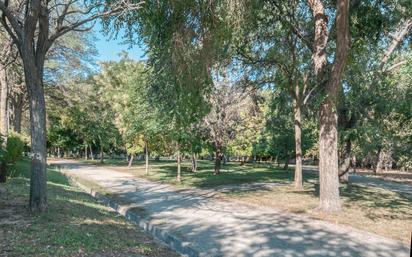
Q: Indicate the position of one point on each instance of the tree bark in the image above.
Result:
(218, 159)
(298, 143)
(130, 161)
(101, 152)
(178, 178)
(4, 130)
(378, 164)
(38, 181)
(86, 157)
(146, 146)
(91, 152)
(328, 136)
(346, 163)
(194, 163)
(4, 117)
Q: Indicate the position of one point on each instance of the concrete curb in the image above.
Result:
(160, 234)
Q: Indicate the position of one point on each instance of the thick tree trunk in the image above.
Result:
(328, 136)
(4, 117)
(328, 159)
(218, 159)
(130, 161)
(146, 146)
(178, 177)
(38, 181)
(298, 145)
(194, 163)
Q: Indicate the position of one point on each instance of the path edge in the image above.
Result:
(167, 238)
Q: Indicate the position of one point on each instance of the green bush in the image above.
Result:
(14, 149)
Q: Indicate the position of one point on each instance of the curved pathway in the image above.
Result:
(214, 227)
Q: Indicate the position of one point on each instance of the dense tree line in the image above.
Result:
(326, 82)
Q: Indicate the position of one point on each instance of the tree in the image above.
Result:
(330, 82)
(33, 34)
(227, 100)
(278, 54)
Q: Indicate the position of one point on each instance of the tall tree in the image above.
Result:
(329, 80)
(34, 25)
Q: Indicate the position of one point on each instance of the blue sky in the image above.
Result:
(109, 49)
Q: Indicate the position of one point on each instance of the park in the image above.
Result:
(205, 128)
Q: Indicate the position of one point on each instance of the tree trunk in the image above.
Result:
(130, 161)
(101, 153)
(4, 117)
(16, 122)
(218, 159)
(378, 163)
(146, 146)
(4, 130)
(91, 152)
(346, 163)
(298, 144)
(331, 81)
(286, 166)
(58, 152)
(86, 157)
(328, 159)
(178, 178)
(38, 180)
(194, 163)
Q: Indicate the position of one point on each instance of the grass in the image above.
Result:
(372, 209)
(74, 225)
(231, 174)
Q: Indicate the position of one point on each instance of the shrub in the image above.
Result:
(14, 149)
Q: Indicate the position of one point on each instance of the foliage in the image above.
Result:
(16, 145)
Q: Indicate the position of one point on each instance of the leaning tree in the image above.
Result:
(34, 26)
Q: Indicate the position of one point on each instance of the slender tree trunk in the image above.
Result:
(346, 163)
(58, 152)
(194, 163)
(298, 144)
(91, 152)
(86, 157)
(4, 130)
(101, 152)
(178, 178)
(4, 117)
(146, 146)
(130, 161)
(218, 159)
(286, 166)
(378, 164)
(16, 122)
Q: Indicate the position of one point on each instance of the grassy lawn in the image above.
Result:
(376, 210)
(74, 225)
(231, 173)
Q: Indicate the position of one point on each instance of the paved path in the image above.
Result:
(215, 227)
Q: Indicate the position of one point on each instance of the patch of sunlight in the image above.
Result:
(87, 204)
(99, 222)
